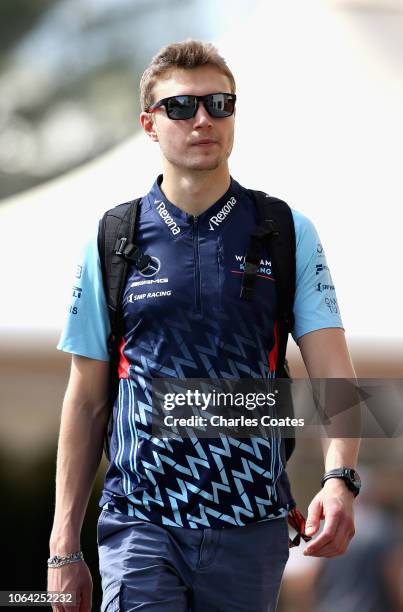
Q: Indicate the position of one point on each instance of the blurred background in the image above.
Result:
(319, 123)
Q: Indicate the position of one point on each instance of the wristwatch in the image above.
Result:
(349, 475)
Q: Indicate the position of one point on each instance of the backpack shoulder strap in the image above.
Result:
(279, 235)
(116, 228)
(275, 230)
(282, 248)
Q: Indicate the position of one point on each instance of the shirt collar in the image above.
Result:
(211, 220)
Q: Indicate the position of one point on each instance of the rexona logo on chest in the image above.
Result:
(215, 220)
(166, 217)
(265, 264)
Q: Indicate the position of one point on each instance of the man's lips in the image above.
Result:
(203, 142)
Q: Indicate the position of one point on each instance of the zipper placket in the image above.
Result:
(197, 263)
(220, 274)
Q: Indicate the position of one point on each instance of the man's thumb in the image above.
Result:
(313, 519)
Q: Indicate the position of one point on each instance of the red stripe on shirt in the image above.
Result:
(123, 369)
(273, 354)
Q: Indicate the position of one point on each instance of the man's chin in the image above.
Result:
(206, 168)
(201, 165)
(205, 165)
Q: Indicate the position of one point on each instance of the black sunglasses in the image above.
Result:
(185, 107)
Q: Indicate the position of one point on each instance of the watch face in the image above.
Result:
(349, 475)
(355, 478)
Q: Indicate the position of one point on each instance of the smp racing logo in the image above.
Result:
(151, 270)
(322, 287)
(215, 220)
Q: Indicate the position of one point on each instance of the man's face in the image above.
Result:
(203, 142)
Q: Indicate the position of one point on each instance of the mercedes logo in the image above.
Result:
(152, 268)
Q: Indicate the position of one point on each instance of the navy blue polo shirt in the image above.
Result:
(183, 318)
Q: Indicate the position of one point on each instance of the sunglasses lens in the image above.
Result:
(220, 105)
(185, 107)
(181, 107)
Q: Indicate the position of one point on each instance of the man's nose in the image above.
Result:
(202, 117)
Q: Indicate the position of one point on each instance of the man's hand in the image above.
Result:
(334, 503)
(72, 578)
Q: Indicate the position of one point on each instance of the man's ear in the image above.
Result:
(148, 124)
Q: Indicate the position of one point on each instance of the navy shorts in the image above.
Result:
(145, 566)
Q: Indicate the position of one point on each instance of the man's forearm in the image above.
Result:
(326, 356)
(340, 452)
(79, 454)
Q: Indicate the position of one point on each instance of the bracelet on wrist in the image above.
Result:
(60, 560)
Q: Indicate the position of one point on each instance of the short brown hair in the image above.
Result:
(187, 54)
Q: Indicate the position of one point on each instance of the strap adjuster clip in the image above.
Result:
(120, 245)
(132, 253)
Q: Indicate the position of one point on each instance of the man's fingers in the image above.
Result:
(333, 549)
(327, 536)
(314, 515)
(314, 548)
(333, 543)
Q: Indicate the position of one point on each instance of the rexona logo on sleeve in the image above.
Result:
(166, 217)
(215, 220)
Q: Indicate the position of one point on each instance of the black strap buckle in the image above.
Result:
(253, 256)
(132, 253)
(249, 278)
(120, 244)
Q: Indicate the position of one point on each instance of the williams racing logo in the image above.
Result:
(263, 270)
(215, 220)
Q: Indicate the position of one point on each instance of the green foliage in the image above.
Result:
(17, 17)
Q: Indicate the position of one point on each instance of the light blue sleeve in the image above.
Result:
(87, 325)
(315, 305)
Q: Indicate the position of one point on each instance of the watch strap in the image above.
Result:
(346, 474)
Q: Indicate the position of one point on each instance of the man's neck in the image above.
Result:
(194, 192)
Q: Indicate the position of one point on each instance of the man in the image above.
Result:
(187, 525)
